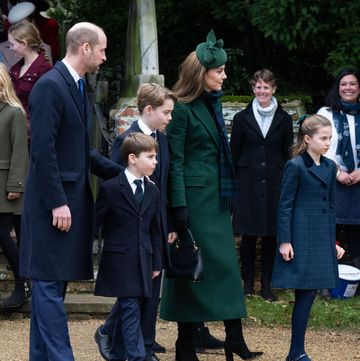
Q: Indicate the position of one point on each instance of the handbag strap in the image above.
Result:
(178, 241)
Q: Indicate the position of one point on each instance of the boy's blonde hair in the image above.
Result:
(153, 94)
(136, 143)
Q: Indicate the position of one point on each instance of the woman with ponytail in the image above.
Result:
(25, 41)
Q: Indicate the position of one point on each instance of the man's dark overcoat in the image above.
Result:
(59, 169)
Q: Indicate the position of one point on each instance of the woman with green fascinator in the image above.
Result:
(202, 188)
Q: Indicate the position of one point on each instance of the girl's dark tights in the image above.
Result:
(300, 316)
(11, 250)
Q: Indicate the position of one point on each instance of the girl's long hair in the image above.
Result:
(7, 92)
(308, 127)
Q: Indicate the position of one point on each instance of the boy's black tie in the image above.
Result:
(139, 193)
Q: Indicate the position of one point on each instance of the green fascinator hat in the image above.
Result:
(211, 53)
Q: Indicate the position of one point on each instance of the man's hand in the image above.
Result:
(286, 251)
(155, 274)
(62, 218)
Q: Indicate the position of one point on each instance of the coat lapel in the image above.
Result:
(74, 91)
(275, 122)
(148, 196)
(127, 192)
(202, 113)
(252, 122)
(310, 164)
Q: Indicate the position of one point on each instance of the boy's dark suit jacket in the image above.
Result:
(132, 246)
(159, 177)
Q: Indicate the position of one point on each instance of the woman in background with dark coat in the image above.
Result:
(261, 138)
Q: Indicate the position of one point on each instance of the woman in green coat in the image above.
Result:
(13, 169)
(202, 186)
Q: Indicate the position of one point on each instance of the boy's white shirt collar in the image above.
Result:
(144, 127)
(130, 177)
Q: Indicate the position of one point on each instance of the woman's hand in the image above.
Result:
(155, 274)
(339, 252)
(343, 177)
(13, 195)
(286, 251)
(354, 177)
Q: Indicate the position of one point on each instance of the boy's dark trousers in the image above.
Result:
(148, 311)
(127, 338)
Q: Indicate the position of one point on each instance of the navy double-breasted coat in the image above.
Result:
(132, 239)
(60, 162)
(159, 177)
(306, 219)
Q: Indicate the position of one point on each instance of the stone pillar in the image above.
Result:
(142, 60)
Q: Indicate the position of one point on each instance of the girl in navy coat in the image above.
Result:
(307, 258)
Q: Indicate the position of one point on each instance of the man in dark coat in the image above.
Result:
(57, 227)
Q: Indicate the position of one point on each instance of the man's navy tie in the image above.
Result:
(82, 88)
(139, 193)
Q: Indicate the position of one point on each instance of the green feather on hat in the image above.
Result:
(211, 53)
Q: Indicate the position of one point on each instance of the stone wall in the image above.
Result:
(126, 113)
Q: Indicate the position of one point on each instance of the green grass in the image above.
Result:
(332, 314)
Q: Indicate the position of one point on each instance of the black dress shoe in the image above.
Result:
(303, 357)
(267, 295)
(152, 357)
(157, 348)
(104, 343)
(203, 339)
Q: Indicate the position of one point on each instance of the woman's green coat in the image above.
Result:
(194, 182)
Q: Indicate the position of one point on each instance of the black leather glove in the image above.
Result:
(180, 218)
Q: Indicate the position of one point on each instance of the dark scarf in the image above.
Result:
(344, 147)
(227, 184)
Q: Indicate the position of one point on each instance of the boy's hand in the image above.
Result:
(155, 274)
(339, 252)
(286, 251)
(171, 237)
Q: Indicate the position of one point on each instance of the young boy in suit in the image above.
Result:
(127, 206)
(155, 104)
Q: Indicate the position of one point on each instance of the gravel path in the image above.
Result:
(322, 345)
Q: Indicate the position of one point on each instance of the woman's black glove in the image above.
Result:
(180, 218)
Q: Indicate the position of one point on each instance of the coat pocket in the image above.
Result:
(4, 164)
